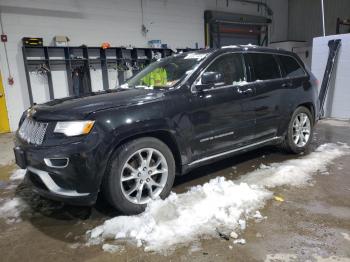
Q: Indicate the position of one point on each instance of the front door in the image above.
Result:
(4, 122)
(222, 116)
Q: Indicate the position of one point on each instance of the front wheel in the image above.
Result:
(300, 131)
(141, 170)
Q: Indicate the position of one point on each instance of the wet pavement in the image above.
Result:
(312, 223)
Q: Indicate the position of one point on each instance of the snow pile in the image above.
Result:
(11, 210)
(182, 218)
(18, 174)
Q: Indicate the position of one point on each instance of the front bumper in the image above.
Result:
(45, 186)
(77, 182)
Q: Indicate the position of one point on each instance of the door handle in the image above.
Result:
(1, 95)
(288, 84)
(247, 91)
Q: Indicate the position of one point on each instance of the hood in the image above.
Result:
(72, 108)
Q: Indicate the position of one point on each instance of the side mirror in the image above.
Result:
(210, 79)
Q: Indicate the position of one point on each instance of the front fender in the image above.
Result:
(123, 124)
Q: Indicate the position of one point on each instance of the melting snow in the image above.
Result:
(295, 172)
(11, 210)
(182, 218)
(335, 122)
(239, 241)
(18, 174)
(346, 236)
(112, 248)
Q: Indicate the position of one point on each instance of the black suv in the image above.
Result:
(176, 114)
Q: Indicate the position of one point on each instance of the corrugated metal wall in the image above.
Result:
(305, 20)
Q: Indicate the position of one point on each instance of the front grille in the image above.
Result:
(32, 131)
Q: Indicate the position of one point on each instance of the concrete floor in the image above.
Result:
(312, 224)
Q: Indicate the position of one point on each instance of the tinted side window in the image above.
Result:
(230, 66)
(264, 66)
(291, 67)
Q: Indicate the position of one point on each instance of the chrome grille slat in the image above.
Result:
(33, 132)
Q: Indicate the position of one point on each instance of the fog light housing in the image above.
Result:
(57, 162)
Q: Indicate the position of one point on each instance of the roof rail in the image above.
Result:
(239, 46)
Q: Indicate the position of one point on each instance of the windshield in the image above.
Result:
(166, 72)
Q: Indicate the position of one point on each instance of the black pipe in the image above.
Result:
(268, 9)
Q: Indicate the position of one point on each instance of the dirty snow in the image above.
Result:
(18, 174)
(346, 236)
(241, 241)
(11, 209)
(195, 247)
(112, 248)
(295, 172)
(182, 218)
(234, 235)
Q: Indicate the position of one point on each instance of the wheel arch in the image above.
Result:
(163, 135)
(310, 107)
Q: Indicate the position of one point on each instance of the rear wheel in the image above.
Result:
(300, 131)
(141, 171)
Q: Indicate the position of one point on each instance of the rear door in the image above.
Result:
(296, 79)
(265, 73)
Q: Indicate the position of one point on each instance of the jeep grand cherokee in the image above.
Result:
(176, 114)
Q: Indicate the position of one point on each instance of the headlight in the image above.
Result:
(74, 128)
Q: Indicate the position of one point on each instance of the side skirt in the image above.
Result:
(203, 161)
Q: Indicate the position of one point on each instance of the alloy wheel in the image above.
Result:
(301, 129)
(144, 175)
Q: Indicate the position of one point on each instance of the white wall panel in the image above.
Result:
(41, 93)
(112, 78)
(60, 83)
(337, 102)
(96, 80)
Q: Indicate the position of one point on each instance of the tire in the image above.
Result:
(129, 163)
(289, 144)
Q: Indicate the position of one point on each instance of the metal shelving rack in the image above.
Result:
(69, 58)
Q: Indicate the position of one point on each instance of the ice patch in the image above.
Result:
(11, 210)
(186, 217)
(18, 174)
